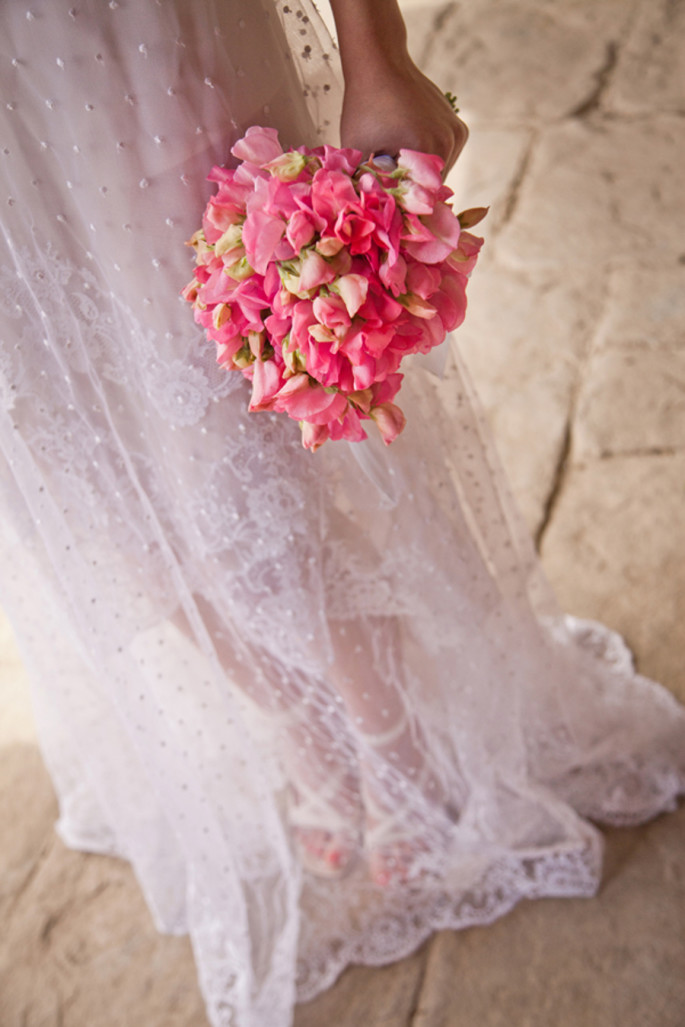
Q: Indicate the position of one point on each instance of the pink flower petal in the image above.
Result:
(305, 400)
(390, 421)
(261, 235)
(315, 272)
(314, 435)
(353, 290)
(258, 146)
(423, 168)
(266, 379)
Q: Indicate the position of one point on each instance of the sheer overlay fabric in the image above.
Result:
(231, 639)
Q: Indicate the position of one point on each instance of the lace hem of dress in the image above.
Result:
(402, 928)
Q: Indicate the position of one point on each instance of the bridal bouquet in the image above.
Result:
(317, 272)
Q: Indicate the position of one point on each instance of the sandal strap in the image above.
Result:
(383, 738)
(316, 808)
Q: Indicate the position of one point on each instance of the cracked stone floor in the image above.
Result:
(575, 340)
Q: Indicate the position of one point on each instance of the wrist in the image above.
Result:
(377, 75)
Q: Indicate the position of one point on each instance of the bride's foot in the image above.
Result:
(326, 853)
(321, 772)
(408, 816)
(395, 859)
(326, 830)
(406, 845)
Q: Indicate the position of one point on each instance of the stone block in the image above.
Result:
(632, 401)
(613, 552)
(563, 962)
(610, 18)
(523, 341)
(487, 170)
(27, 814)
(509, 62)
(368, 995)
(600, 190)
(650, 72)
(80, 949)
(16, 721)
(645, 307)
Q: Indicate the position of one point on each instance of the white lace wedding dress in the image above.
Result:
(229, 637)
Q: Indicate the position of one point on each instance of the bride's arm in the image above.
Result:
(389, 103)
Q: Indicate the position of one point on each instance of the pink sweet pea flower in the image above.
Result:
(261, 234)
(380, 309)
(277, 328)
(364, 372)
(329, 246)
(332, 192)
(390, 421)
(301, 229)
(348, 427)
(415, 199)
(345, 160)
(271, 196)
(423, 168)
(417, 306)
(385, 391)
(266, 381)
(314, 435)
(250, 299)
(315, 271)
(423, 279)
(220, 216)
(354, 229)
(302, 316)
(450, 301)
(287, 166)
(216, 287)
(331, 311)
(258, 146)
(463, 259)
(393, 274)
(226, 352)
(382, 210)
(353, 290)
(305, 400)
(437, 237)
(322, 360)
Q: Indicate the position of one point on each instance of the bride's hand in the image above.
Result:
(397, 107)
(389, 104)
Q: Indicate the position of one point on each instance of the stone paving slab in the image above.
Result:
(614, 552)
(519, 62)
(574, 963)
(650, 70)
(647, 388)
(597, 190)
(524, 340)
(374, 996)
(637, 367)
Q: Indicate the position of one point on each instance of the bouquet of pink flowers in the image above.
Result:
(318, 272)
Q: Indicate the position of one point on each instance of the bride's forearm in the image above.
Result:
(371, 33)
(389, 104)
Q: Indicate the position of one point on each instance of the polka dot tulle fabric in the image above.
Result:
(242, 653)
